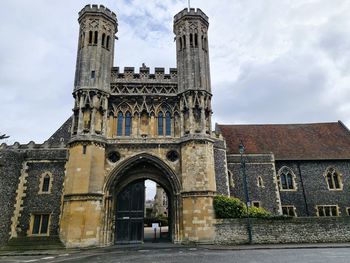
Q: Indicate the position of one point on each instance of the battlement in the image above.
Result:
(143, 74)
(33, 146)
(191, 12)
(93, 9)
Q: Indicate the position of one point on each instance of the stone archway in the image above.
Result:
(137, 168)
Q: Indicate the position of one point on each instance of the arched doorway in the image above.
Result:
(124, 203)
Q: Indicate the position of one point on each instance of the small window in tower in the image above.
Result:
(84, 149)
(184, 40)
(127, 124)
(120, 124)
(160, 123)
(103, 39)
(93, 74)
(46, 183)
(90, 37)
(82, 39)
(95, 37)
(107, 42)
(196, 40)
(180, 41)
(191, 40)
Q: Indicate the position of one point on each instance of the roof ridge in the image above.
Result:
(282, 124)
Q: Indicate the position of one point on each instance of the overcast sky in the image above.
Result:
(272, 61)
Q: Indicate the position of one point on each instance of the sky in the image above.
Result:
(272, 61)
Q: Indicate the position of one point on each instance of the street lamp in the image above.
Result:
(245, 184)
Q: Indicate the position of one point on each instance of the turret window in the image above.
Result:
(107, 42)
(103, 39)
(184, 41)
(160, 123)
(90, 37)
(127, 124)
(196, 40)
(180, 41)
(95, 37)
(82, 39)
(120, 124)
(191, 40)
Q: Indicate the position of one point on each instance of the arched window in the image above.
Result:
(196, 40)
(160, 123)
(184, 40)
(127, 123)
(45, 183)
(82, 39)
(90, 37)
(107, 42)
(333, 179)
(120, 124)
(260, 182)
(103, 39)
(95, 37)
(180, 43)
(191, 40)
(167, 123)
(286, 179)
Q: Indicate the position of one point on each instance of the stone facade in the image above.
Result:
(132, 125)
(293, 230)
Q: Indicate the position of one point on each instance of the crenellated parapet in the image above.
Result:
(191, 12)
(98, 10)
(144, 75)
(33, 146)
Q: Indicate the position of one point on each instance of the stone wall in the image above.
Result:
(312, 189)
(10, 170)
(293, 230)
(222, 184)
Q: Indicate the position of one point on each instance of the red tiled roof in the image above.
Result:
(316, 141)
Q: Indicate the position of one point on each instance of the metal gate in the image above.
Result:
(130, 213)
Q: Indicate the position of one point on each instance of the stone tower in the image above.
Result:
(82, 200)
(197, 154)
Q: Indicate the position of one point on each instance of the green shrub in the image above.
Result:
(228, 207)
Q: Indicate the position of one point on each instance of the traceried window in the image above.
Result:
(160, 123)
(120, 124)
(286, 179)
(40, 224)
(327, 210)
(288, 210)
(127, 123)
(167, 123)
(333, 179)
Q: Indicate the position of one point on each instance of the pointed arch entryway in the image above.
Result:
(125, 183)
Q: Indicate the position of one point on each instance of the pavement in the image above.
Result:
(167, 245)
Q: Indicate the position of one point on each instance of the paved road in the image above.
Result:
(194, 255)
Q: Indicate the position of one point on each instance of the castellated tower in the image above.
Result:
(197, 153)
(80, 221)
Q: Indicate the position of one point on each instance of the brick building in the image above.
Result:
(85, 184)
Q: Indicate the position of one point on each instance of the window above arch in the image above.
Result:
(128, 123)
(333, 179)
(160, 123)
(286, 179)
(120, 121)
(45, 183)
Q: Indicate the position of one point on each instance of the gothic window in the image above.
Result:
(191, 40)
(167, 123)
(327, 210)
(82, 39)
(45, 183)
(260, 182)
(40, 224)
(286, 179)
(184, 41)
(107, 42)
(180, 43)
(87, 119)
(120, 124)
(90, 37)
(127, 123)
(196, 40)
(103, 39)
(95, 37)
(333, 179)
(160, 123)
(289, 210)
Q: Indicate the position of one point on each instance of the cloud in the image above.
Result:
(271, 61)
